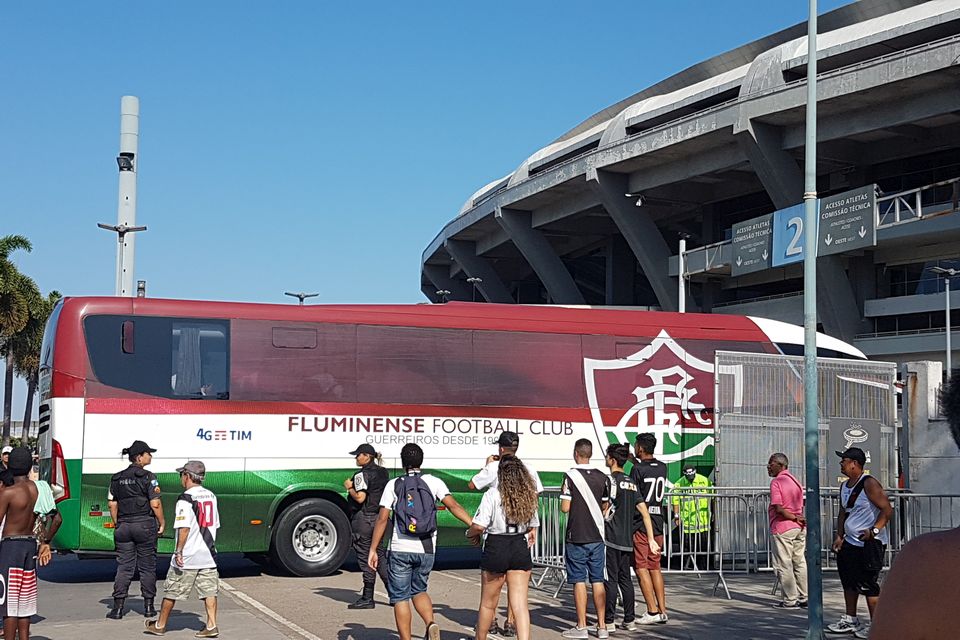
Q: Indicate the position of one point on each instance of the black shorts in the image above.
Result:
(502, 553)
(854, 572)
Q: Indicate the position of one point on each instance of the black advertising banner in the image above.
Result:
(847, 221)
(854, 432)
(752, 245)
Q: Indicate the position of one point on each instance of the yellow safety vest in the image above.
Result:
(694, 512)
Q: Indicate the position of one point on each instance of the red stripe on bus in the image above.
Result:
(116, 406)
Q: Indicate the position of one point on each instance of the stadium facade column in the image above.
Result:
(640, 232)
(491, 287)
(539, 255)
(621, 269)
(440, 277)
(782, 179)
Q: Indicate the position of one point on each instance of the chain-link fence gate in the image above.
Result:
(759, 411)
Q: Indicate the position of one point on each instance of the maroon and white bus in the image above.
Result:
(273, 397)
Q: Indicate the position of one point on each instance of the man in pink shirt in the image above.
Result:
(787, 528)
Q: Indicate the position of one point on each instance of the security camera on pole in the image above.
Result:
(126, 225)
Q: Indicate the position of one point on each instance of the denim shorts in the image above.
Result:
(408, 573)
(586, 562)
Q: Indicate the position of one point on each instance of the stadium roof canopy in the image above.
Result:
(715, 144)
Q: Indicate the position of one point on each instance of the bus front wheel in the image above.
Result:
(312, 538)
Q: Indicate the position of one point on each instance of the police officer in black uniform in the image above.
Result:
(364, 490)
(134, 501)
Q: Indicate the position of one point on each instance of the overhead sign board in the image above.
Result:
(847, 221)
(788, 235)
(752, 245)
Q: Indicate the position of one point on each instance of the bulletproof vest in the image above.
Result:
(131, 490)
(377, 479)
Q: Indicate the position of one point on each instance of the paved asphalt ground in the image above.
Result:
(254, 605)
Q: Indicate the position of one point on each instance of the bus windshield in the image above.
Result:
(46, 351)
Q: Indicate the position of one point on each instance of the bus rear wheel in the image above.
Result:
(312, 538)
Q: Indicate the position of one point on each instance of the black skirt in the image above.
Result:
(502, 553)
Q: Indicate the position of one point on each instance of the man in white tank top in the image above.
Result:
(861, 540)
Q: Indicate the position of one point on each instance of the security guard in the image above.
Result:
(364, 490)
(137, 515)
(691, 511)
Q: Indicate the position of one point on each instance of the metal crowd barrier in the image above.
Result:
(548, 551)
(734, 535)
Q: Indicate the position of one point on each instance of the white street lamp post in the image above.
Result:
(947, 273)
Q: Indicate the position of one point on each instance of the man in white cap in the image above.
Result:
(5, 456)
(195, 556)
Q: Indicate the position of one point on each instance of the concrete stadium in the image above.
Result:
(596, 216)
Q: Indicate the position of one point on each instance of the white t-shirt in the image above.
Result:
(196, 553)
(487, 477)
(491, 516)
(402, 541)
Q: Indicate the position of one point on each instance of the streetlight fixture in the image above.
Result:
(300, 296)
(682, 274)
(121, 230)
(443, 293)
(948, 273)
(475, 281)
(638, 196)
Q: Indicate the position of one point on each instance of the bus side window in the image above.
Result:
(199, 360)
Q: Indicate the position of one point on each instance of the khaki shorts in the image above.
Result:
(180, 582)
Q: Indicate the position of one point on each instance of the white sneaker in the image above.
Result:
(864, 632)
(624, 626)
(663, 618)
(846, 624)
(603, 633)
(579, 633)
(649, 618)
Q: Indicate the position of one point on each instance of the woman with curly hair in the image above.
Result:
(508, 517)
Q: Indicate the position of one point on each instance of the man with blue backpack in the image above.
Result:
(413, 500)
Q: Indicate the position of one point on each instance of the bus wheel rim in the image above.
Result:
(314, 538)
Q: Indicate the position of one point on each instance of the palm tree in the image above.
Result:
(26, 352)
(14, 314)
(13, 310)
(26, 290)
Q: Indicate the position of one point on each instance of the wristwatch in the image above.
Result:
(876, 531)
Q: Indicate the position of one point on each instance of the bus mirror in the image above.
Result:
(126, 342)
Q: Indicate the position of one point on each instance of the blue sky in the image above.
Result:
(307, 145)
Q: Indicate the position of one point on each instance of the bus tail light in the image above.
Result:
(59, 481)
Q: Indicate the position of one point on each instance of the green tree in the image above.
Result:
(26, 350)
(15, 344)
(14, 314)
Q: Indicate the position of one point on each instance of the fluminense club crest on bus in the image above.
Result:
(661, 389)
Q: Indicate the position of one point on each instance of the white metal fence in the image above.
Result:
(738, 536)
(759, 411)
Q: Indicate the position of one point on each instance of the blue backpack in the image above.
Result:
(415, 513)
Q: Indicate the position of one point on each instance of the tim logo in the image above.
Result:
(660, 389)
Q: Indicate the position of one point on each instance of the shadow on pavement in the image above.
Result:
(353, 631)
(346, 596)
(70, 569)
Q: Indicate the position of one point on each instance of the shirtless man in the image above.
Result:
(18, 549)
(917, 601)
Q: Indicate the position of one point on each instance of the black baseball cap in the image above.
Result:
(508, 439)
(138, 447)
(364, 448)
(854, 453)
